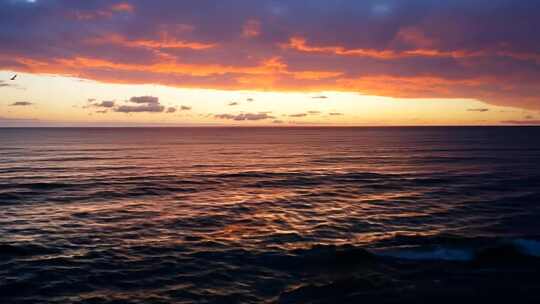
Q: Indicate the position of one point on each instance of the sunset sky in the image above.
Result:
(269, 62)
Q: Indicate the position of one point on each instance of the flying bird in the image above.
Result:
(13, 78)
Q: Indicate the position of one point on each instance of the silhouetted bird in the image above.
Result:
(13, 78)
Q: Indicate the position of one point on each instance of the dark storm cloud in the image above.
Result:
(21, 104)
(244, 116)
(410, 49)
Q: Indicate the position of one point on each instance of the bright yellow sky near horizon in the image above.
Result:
(63, 101)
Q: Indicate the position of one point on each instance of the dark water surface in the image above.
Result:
(264, 215)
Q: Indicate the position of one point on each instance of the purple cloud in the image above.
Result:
(105, 104)
(151, 108)
(426, 49)
(148, 104)
(145, 100)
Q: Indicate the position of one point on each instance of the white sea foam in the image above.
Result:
(529, 247)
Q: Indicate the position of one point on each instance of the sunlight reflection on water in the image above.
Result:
(169, 205)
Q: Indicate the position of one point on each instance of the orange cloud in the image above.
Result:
(410, 36)
(267, 69)
(415, 37)
(123, 7)
(300, 44)
(274, 74)
(164, 42)
(409, 87)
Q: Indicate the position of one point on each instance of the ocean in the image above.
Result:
(270, 215)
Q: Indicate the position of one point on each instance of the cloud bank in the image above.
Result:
(421, 49)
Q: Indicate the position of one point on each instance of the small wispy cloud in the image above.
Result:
(21, 104)
(320, 97)
(105, 104)
(478, 110)
(16, 120)
(521, 122)
(245, 116)
(151, 108)
(233, 103)
(185, 108)
(251, 29)
(144, 100)
(4, 84)
(298, 115)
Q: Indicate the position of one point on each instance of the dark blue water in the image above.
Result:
(264, 215)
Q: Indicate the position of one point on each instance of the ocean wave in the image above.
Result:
(530, 247)
(317, 217)
(442, 254)
(22, 250)
(319, 273)
(462, 249)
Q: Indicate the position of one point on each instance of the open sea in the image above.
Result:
(270, 215)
